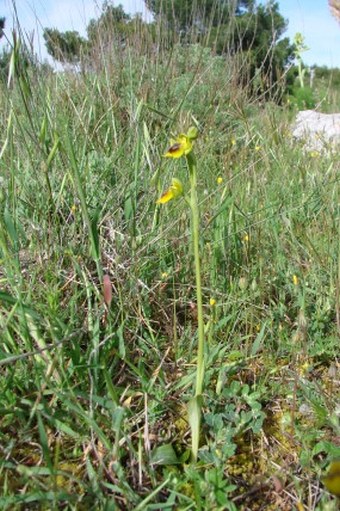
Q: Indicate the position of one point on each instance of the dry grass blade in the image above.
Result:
(334, 6)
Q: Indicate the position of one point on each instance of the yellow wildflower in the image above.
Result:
(219, 180)
(295, 280)
(304, 368)
(233, 141)
(314, 154)
(174, 191)
(182, 145)
(246, 238)
(257, 148)
(332, 479)
(212, 302)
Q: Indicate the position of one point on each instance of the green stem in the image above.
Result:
(300, 74)
(195, 237)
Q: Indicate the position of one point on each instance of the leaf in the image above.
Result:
(258, 341)
(194, 415)
(329, 448)
(11, 300)
(95, 233)
(11, 229)
(121, 341)
(164, 455)
(53, 151)
(128, 207)
(44, 442)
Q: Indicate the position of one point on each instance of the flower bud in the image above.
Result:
(192, 133)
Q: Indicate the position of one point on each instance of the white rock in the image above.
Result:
(318, 131)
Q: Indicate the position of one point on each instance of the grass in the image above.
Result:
(93, 401)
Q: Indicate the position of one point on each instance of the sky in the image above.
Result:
(310, 17)
(321, 30)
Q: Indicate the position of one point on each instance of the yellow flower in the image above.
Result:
(314, 154)
(174, 191)
(246, 238)
(332, 479)
(295, 280)
(179, 147)
(233, 141)
(257, 148)
(219, 180)
(212, 302)
(304, 368)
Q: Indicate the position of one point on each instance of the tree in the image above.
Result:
(233, 27)
(2, 26)
(182, 15)
(258, 34)
(70, 47)
(66, 46)
(110, 25)
(5, 55)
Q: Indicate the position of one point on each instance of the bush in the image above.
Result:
(303, 99)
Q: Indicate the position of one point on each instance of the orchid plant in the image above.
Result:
(182, 146)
